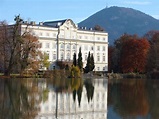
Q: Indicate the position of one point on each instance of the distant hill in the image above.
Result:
(119, 20)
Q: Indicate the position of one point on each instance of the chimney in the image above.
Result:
(90, 29)
(32, 22)
(40, 23)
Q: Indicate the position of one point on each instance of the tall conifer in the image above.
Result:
(74, 59)
(80, 63)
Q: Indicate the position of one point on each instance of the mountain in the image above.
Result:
(119, 20)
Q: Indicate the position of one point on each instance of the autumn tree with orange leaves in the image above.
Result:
(129, 54)
(134, 55)
(18, 51)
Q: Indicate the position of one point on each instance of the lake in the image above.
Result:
(97, 98)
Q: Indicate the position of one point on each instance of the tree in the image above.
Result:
(134, 55)
(75, 72)
(117, 52)
(44, 60)
(80, 63)
(98, 28)
(111, 51)
(19, 51)
(74, 59)
(29, 50)
(129, 54)
(90, 63)
(153, 57)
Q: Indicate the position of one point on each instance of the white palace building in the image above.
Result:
(61, 39)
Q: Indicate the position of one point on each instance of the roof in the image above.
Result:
(55, 24)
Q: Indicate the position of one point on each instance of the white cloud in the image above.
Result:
(137, 2)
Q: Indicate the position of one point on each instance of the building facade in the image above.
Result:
(61, 39)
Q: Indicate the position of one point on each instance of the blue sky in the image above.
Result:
(77, 10)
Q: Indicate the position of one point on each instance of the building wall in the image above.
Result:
(70, 40)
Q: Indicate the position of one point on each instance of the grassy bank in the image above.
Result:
(126, 75)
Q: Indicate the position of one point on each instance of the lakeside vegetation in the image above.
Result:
(130, 56)
(135, 55)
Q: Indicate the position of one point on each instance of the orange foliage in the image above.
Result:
(134, 55)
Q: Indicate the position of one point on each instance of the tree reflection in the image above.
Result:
(153, 94)
(18, 99)
(89, 88)
(79, 94)
(131, 98)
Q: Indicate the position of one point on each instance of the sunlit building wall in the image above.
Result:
(61, 39)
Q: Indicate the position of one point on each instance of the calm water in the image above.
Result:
(79, 99)
(133, 99)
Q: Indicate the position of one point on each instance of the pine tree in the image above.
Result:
(74, 59)
(92, 62)
(88, 65)
(80, 63)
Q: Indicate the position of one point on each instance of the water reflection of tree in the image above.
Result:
(153, 94)
(18, 99)
(89, 88)
(131, 98)
(77, 88)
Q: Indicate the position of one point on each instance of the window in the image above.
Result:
(98, 68)
(80, 37)
(98, 48)
(103, 58)
(103, 68)
(98, 38)
(68, 46)
(103, 39)
(54, 45)
(98, 58)
(62, 55)
(74, 46)
(54, 56)
(47, 45)
(86, 37)
(103, 48)
(62, 46)
(68, 56)
(47, 34)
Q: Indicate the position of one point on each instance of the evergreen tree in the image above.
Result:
(74, 59)
(88, 65)
(92, 62)
(80, 63)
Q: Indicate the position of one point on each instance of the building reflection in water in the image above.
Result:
(89, 101)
